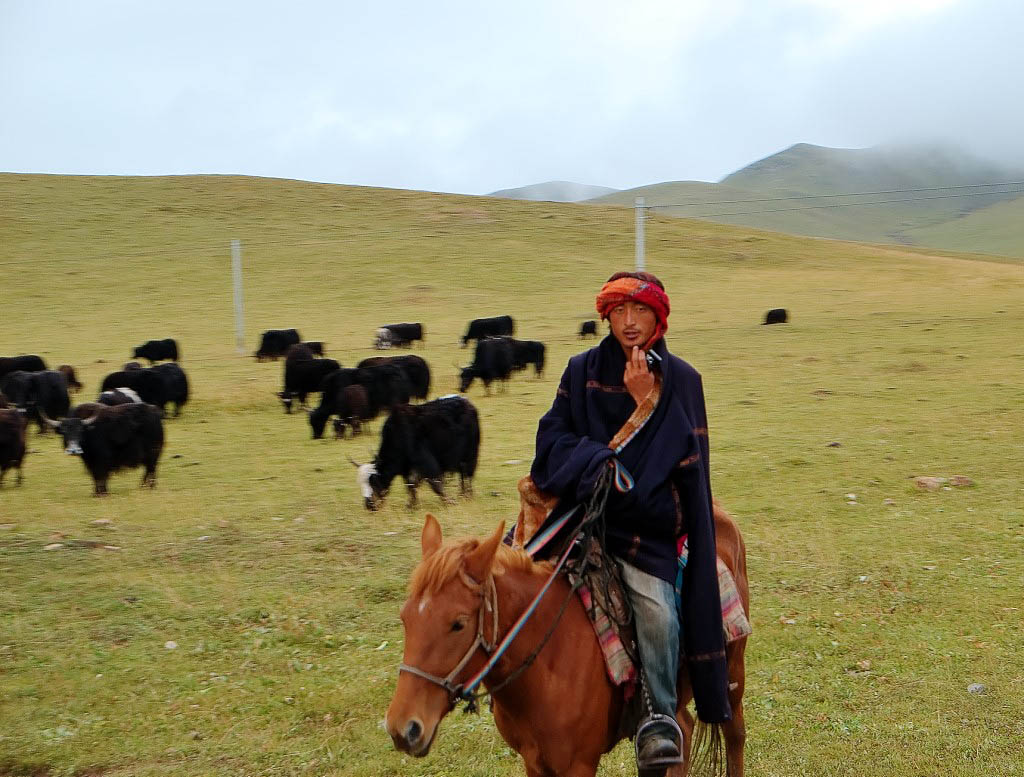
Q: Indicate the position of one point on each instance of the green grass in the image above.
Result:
(285, 615)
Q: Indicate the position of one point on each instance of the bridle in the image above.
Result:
(467, 691)
(489, 603)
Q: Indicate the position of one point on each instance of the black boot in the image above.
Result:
(656, 748)
(658, 743)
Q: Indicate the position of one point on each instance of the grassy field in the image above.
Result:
(872, 614)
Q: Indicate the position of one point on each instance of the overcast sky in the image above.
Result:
(477, 96)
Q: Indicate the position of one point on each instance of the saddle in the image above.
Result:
(601, 593)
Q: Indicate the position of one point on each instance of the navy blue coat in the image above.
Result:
(668, 460)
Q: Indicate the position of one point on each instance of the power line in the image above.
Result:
(847, 204)
(842, 194)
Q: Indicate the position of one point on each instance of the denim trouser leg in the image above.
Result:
(657, 632)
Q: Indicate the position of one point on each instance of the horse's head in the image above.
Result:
(442, 620)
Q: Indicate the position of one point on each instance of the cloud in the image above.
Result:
(473, 97)
(952, 78)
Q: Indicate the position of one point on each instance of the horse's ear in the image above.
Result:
(478, 563)
(430, 539)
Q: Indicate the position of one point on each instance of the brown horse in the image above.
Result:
(562, 713)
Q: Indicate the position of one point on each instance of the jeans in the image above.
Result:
(657, 634)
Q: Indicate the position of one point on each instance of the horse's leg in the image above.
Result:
(686, 722)
(735, 736)
(735, 731)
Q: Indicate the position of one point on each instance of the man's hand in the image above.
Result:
(638, 378)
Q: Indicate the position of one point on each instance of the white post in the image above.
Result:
(640, 212)
(236, 267)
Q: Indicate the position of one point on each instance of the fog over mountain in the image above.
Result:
(472, 97)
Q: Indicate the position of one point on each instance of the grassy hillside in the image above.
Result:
(872, 614)
(783, 193)
(998, 227)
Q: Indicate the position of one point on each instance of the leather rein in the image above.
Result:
(467, 691)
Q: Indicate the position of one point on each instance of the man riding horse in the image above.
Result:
(630, 405)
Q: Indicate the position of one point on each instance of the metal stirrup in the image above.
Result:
(656, 719)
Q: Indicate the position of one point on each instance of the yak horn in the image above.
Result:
(42, 414)
(355, 463)
(91, 419)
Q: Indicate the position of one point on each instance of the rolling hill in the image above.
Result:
(922, 196)
(554, 191)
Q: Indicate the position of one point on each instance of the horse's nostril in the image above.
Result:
(413, 732)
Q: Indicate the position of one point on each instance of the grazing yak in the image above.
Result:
(71, 377)
(776, 316)
(397, 336)
(479, 328)
(156, 385)
(31, 391)
(118, 396)
(176, 388)
(274, 343)
(110, 439)
(157, 350)
(386, 385)
(493, 360)
(423, 442)
(330, 399)
(415, 368)
(13, 425)
(29, 363)
(143, 381)
(527, 352)
(588, 328)
(17, 387)
(303, 375)
(353, 408)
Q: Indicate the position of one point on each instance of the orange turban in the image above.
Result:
(636, 287)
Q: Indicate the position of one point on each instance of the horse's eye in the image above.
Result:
(458, 625)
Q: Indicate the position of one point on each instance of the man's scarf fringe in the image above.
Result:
(707, 751)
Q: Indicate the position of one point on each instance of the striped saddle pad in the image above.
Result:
(596, 602)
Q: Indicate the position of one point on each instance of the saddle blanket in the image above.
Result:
(621, 669)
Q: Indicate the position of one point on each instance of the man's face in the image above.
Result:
(632, 323)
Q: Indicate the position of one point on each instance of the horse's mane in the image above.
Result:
(434, 572)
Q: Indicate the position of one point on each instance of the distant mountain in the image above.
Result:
(911, 195)
(554, 191)
(820, 170)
